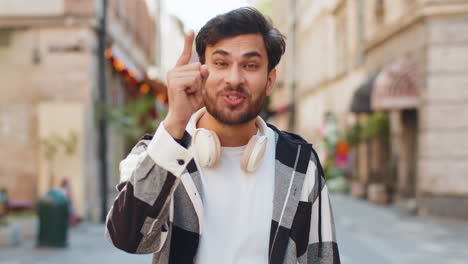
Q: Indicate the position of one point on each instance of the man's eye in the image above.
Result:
(220, 63)
(251, 66)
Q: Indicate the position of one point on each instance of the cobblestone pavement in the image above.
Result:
(366, 234)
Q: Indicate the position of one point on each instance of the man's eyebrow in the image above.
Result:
(221, 52)
(247, 55)
(252, 54)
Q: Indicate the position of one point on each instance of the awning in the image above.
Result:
(397, 86)
(361, 98)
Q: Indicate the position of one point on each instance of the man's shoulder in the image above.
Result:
(292, 148)
(288, 136)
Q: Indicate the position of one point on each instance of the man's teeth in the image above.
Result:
(232, 97)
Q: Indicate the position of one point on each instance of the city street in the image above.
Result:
(366, 234)
(369, 233)
(379, 88)
(86, 245)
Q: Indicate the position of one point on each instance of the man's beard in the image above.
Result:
(252, 111)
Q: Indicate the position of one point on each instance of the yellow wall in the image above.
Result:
(36, 77)
(60, 120)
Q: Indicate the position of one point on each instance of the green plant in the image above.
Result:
(51, 146)
(54, 142)
(353, 135)
(133, 119)
(376, 125)
(331, 170)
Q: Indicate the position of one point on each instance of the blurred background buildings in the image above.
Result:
(349, 61)
(393, 77)
(49, 103)
(379, 87)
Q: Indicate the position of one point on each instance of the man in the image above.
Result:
(216, 184)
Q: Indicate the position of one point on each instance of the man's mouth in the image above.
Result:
(233, 99)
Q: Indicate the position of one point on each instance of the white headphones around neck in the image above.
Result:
(207, 147)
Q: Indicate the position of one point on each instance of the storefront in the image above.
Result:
(396, 92)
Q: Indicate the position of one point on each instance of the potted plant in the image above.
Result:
(357, 183)
(357, 187)
(376, 131)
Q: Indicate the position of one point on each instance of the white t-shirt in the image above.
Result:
(237, 209)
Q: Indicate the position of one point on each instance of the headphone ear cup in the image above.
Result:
(207, 147)
(253, 153)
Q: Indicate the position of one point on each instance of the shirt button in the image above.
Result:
(180, 161)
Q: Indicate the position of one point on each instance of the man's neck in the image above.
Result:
(229, 135)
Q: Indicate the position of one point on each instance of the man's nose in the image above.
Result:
(235, 76)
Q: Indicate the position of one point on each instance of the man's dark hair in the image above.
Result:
(244, 20)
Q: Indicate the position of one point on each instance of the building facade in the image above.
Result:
(47, 109)
(409, 55)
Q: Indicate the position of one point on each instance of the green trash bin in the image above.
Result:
(53, 213)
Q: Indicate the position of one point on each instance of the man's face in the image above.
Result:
(239, 79)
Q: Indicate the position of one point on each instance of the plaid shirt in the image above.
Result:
(159, 209)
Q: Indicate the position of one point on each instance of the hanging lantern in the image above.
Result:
(131, 74)
(144, 88)
(118, 65)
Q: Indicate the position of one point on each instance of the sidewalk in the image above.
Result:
(86, 246)
(366, 233)
(369, 233)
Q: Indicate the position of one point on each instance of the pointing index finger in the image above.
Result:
(187, 52)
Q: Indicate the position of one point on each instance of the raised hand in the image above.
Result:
(185, 87)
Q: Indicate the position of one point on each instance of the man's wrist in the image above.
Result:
(175, 128)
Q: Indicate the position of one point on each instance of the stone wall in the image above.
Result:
(47, 65)
(326, 69)
(434, 34)
(443, 167)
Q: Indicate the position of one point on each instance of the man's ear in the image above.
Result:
(271, 81)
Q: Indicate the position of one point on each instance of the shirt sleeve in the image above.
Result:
(165, 151)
